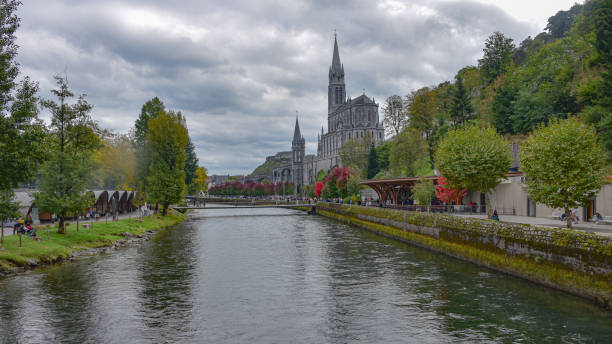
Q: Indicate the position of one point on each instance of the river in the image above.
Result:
(281, 276)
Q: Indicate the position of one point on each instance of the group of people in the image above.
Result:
(573, 216)
(22, 228)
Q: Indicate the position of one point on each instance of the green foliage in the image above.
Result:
(70, 147)
(201, 179)
(502, 107)
(21, 137)
(266, 168)
(497, 57)
(9, 69)
(372, 163)
(423, 191)
(115, 164)
(474, 158)
(355, 153)
(461, 107)
(62, 246)
(191, 165)
(559, 24)
(149, 110)
(424, 115)
(8, 209)
(166, 138)
(382, 155)
(406, 149)
(21, 132)
(564, 164)
(321, 175)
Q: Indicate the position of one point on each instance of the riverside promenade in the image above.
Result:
(600, 229)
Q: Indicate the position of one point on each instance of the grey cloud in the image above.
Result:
(240, 69)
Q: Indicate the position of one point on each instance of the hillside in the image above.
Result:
(266, 168)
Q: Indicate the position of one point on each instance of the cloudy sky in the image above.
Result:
(239, 70)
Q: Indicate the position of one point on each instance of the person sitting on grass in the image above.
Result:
(30, 231)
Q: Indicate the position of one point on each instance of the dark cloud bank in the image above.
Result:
(240, 70)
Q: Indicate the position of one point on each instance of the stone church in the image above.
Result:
(347, 118)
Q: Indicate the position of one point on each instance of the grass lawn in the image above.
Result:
(60, 246)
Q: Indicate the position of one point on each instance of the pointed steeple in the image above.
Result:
(336, 67)
(297, 135)
(336, 89)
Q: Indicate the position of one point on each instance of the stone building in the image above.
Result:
(347, 119)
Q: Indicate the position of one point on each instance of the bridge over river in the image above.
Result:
(242, 206)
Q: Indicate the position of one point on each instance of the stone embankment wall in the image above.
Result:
(576, 262)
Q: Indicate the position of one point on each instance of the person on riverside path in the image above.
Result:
(495, 216)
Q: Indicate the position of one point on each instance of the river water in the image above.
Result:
(281, 276)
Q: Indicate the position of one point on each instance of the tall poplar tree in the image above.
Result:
(166, 139)
(191, 166)
(149, 110)
(20, 129)
(70, 147)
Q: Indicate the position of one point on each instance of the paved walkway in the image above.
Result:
(605, 230)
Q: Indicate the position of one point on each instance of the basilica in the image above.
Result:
(346, 119)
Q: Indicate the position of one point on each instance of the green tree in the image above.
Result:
(564, 164)
(70, 146)
(423, 192)
(559, 24)
(166, 138)
(461, 107)
(474, 158)
(149, 110)
(321, 175)
(201, 179)
(355, 152)
(8, 209)
(497, 59)
(502, 107)
(21, 132)
(382, 155)
(423, 116)
(406, 149)
(191, 165)
(21, 137)
(372, 162)
(115, 164)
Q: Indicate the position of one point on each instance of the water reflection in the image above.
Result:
(279, 276)
(166, 270)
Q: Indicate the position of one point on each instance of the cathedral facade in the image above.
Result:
(347, 119)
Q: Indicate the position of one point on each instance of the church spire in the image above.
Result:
(336, 66)
(336, 89)
(297, 135)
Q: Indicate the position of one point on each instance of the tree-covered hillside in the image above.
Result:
(562, 72)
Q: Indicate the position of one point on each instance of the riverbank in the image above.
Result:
(59, 247)
(575, 262)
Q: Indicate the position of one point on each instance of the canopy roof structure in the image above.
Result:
(392, 188)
